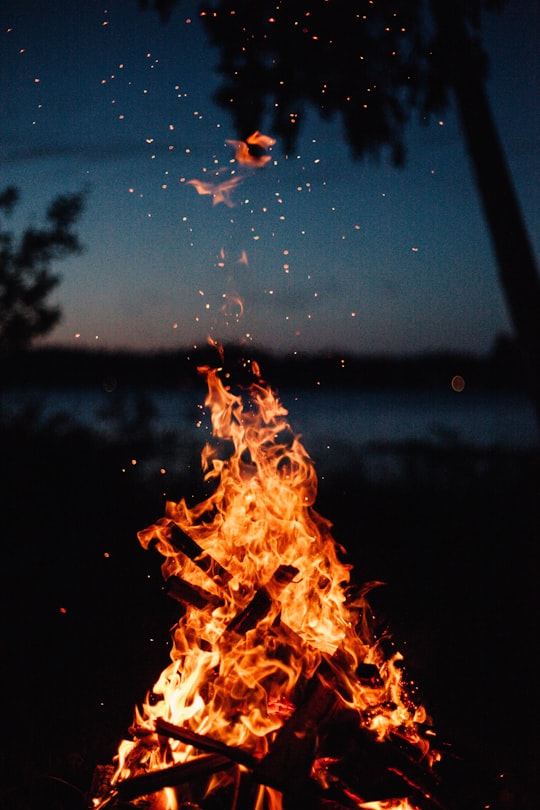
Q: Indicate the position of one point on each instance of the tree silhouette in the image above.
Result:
(376, 63)
(26, 277)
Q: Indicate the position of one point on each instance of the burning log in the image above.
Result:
(369, 674)
(295, 748)
(189, 594)
(166, 530)
(203, 766)
(196, 554)
(384, 773)
(262, 602)
(205, 743)
(324, 725)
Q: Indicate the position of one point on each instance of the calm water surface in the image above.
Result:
(326, 420)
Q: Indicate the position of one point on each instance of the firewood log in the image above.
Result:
(198, 555)
(203, 766)
(205, 743)
(261, 603)
(289, 762)
(189, 594)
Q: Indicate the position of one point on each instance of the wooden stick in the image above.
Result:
(261, 603)
(198, 555)
(205, 743)
(292, 755)
(189, 594)
(206, 765)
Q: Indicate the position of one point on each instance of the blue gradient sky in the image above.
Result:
(341, 255)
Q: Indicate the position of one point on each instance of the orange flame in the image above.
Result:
(269, 604)
(245, 152)
(391, 804)
(220, 192)
(249, 153)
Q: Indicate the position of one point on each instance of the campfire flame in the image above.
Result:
(249, 154)
(251, 151)
(220, 192)
(269, 618)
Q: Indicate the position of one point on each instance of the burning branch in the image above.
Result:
(203, 766)
(191, 549)
(166, 537)
(264, 598)
(295, 748)
(205, 743)
(189, 594)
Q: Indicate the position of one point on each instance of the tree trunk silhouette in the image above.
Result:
(518, 273)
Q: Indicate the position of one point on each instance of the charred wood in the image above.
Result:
(248, 618)
(240, 793)
(260, 605)
(101, 780)
(353, 760)
(196, 554)
(204, 743)
(369, 675)
(204, 766)
(294, 751)
(189, 594)
(165, 532)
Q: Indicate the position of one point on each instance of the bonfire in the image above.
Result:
(279, 693)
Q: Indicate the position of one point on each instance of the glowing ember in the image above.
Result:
(250, 154)
(273, 651)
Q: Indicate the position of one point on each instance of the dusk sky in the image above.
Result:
(323, 251)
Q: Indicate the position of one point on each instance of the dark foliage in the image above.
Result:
(114, 371)
(26, 276)
(371, 63)
(375, 64)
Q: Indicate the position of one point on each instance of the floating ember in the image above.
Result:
(252, 151)
(279, 694)
(249, 154)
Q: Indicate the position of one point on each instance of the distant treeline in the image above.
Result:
(53, 367)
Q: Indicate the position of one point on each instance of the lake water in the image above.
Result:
(330, 421)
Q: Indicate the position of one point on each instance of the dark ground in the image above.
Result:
(84, 635)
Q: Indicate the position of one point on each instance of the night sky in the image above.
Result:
(322, 251)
